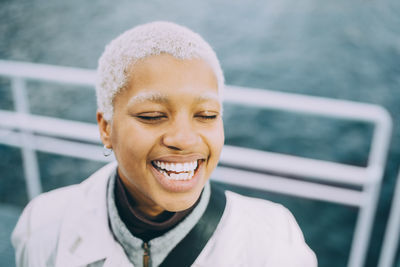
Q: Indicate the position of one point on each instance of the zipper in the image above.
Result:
(146, 254)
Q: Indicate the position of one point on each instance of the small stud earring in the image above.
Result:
(107, 151)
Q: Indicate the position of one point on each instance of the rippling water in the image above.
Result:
(339, 49)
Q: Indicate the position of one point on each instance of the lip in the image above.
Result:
(179, 186)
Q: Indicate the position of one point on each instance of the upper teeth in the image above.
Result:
(177, 167)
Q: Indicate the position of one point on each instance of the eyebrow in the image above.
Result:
(207, 97)
(149, 97)
(157, 97)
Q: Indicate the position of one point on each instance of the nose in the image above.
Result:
(181, 135)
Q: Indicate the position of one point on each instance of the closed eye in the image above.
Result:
(207, 117)
(151, 117)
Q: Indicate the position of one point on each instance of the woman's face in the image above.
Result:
(166, 132)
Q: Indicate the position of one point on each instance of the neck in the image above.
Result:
(139, 201)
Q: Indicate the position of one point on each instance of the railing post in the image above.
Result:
(365, 220)
(29, 158)
(391, 239)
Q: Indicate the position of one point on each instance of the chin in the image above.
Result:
(178, 204)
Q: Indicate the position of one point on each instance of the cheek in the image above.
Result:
(132, 142)
(216, 140)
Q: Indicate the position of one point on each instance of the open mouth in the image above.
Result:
(177, 171)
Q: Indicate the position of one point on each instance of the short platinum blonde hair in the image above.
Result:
(140, 42)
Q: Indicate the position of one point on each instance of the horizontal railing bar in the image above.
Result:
(56, 146)
(320, 106)
(294, 165)
(46, 72)
(50, 126)
(288, 186)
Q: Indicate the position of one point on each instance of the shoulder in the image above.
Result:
(259, 211)
(35, 235)
(261, 232)
(50, 207)
(38, 228)
(44, 210)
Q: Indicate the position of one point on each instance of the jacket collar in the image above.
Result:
(85, 235)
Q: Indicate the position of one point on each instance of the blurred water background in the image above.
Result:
(338, 49)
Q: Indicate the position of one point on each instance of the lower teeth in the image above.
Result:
(178, 176)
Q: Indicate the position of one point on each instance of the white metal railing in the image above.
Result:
(392, 233)
(77, 139)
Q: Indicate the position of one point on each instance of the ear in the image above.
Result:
(105, 129)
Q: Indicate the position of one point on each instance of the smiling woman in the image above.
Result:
(159, 96)
(167, 118)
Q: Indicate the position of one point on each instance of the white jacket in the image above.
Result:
(69, 227)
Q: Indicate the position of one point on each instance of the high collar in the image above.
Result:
(136, 222)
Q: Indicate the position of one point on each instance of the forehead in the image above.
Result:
(164, 70)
